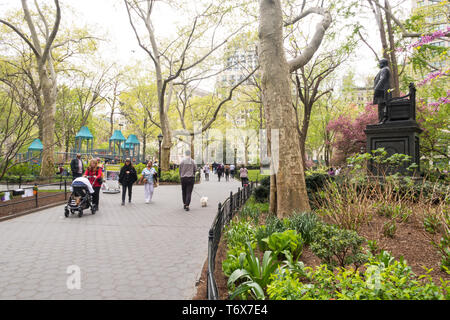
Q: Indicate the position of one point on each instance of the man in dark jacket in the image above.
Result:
(76, 166)
(127, 177)
(381, 87)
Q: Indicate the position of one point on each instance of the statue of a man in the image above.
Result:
(381, 87)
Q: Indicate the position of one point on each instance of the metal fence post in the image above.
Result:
(65, 189)
(239, 199)
(231, 203)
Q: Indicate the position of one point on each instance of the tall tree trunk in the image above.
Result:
(291, 192)
(394, 65)
(48, 122)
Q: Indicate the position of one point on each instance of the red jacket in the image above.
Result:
(97, 174)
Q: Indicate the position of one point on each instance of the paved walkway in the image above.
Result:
(140, 251)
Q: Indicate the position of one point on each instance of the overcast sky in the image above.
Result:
(109, 18)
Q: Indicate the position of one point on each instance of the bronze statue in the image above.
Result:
(381, 87)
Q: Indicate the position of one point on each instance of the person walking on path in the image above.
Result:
(206, 171)
(219, 170)
(94, 174)
(187, 175)
(232, 170)
(227, 172)
(150, 178)
(127, 177)
(76, 166)
(243, 174)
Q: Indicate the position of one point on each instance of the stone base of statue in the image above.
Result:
(399, 133)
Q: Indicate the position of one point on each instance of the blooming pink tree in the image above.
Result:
(349, 132)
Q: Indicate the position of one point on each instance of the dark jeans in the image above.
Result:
(126, 186)
(219, 175)
(96, 196)
(207, 176)
(187, 185)
(244, 181)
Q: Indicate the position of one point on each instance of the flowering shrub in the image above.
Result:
(350, 132)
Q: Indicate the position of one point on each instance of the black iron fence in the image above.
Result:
(225, 213)
(35, 193)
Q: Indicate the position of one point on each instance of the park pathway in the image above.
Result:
(139, 251)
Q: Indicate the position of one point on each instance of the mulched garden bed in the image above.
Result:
(19, 204)
(410, 241)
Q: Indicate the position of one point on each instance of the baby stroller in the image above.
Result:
(80, 199)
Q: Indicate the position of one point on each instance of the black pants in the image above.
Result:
(96, 196)
(244, 181)
(126, 186)
(187, 185)
(207, 176)
(227, 175)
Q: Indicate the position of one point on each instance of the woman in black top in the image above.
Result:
(127, 177)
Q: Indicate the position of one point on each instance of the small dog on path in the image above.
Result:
(204, 201)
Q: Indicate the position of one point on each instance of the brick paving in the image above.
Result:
(139, 251)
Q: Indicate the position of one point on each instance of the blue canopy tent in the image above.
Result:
(36, 145)
(84, 135)
(116, 138)
(133, 143)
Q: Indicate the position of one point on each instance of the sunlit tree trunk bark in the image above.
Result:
(290, 193)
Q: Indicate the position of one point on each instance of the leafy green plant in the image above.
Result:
(304, 223)
(431, 223)
(273, 224)
(238, 233)
(444, 243)
(373, 247)
(389, 228)
(254, 274)
(231, 263)
(338, 247)
(384, 278)
(288, 240)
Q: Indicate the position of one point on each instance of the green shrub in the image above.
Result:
(338, 247)
(383, 279)
(288, 240)
(170, 176)
(261, 194)
(304, 223)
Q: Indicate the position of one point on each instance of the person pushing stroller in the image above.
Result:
(81, 197)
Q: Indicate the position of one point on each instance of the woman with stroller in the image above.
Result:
(127, 177)
(150, 178)
(94, 174)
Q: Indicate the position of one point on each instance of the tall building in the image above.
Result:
(238, 62)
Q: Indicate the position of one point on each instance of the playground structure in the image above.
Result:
(29, 156)
(120, 148)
